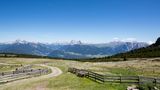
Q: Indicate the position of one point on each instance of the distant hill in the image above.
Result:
(26, 48)
(146, 52)
(65, 55)
(12, 55)
(80, 51)
(31, 48)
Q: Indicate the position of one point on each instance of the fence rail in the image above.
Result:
(24, 72)
(116, 79)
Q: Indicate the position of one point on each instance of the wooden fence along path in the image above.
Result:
(21, 73)
(115, 79)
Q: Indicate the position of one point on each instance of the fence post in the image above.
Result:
(39, 71)
(103, 78)
(88, 74)
(138, 79)
(155, 81)
(2, 73)
(120, 79)
(95, 76)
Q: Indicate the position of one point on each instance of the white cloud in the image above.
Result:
(130, 39)
(150, 42)
(124, 40)
(116, 39)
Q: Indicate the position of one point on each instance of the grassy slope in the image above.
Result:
(68, 81)
(4, 68)
(146, 52)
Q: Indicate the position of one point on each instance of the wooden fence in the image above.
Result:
(21, 74)
(115, 79)
(22, 69)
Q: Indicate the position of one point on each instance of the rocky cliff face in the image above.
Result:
(157, 42)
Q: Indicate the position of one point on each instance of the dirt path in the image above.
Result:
(54, 72)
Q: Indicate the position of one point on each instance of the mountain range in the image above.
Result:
(145, 52)
(72, 50)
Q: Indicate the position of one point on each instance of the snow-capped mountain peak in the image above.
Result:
(20, 41)
(73, 42)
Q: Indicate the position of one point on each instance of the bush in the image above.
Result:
(146, 87)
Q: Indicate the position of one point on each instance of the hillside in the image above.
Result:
(147, 52)
(72, 82)
(15, 55)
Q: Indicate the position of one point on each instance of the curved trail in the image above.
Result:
(54, 72)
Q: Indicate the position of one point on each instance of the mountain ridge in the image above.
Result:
(145, 52)
(71, 50)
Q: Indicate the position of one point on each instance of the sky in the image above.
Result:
(94, 21)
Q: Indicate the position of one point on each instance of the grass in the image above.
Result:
(72, 82)
(5, 68)
(68, 81)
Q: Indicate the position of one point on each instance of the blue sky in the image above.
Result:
(86, 20)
